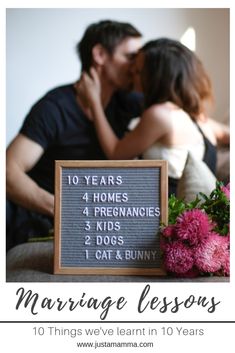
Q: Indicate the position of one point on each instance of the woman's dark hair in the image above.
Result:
(172, 72)
(107, 33)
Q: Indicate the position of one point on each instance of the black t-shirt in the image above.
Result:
(57, 123)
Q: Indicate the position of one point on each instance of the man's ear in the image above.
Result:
(99, 54)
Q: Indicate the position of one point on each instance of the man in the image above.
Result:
(58, 128)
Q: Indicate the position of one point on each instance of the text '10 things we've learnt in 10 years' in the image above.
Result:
(107, 217)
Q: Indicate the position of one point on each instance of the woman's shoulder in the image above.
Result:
(162, 114)
(157, 111)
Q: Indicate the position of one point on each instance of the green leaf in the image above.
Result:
(216, 205)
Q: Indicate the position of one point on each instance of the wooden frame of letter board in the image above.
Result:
(58, 269)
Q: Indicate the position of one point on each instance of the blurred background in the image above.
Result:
(40, 49)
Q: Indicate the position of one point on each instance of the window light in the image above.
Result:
(189, 38)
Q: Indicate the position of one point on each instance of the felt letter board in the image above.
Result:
(107, 216)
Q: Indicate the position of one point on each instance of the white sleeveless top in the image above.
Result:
(175, 155)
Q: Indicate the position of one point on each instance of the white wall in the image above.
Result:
(41, 49)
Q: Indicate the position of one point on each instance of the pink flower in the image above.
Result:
(226, 266)
(212, 253)
(192, 273)
(169, 231)
(226, 190)
(226, 260)
(178, 257)
(194, 226)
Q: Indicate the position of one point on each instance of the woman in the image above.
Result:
(176, 88)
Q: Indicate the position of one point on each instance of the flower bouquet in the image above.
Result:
(196, 240)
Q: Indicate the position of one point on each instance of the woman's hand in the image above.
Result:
(89, 88)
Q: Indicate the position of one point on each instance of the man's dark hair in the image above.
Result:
(107, 33)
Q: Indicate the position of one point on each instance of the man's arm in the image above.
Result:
(221, 131)
(22, 154)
